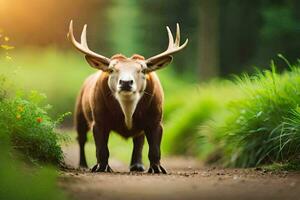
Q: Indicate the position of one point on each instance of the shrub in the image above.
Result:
(30, 129)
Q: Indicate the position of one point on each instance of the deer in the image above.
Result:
(124, 95)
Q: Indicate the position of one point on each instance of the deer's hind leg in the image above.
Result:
(82, 128)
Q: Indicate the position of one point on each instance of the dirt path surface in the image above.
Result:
(187, 179)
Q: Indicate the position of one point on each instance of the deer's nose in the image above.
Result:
(126, 85)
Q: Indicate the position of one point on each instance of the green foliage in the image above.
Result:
(26, 130)
(262, 126)
(184, 123)
(30, 129)
(279, 22)
(191, 109)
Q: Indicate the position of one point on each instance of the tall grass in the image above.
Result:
(261, 126)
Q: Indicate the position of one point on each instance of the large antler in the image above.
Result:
(173, 46)
(82, 46)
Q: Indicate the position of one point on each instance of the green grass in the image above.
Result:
(262, 126)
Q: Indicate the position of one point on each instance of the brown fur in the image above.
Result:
(97, 104)
(97, 109)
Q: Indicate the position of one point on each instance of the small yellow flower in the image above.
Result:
(18, 116)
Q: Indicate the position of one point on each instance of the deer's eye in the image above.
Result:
(109, 70)
(144, 71)
(112, 70)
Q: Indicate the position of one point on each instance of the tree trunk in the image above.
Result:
(209, 39)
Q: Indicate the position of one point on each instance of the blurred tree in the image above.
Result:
(125, 29)
(239, 24)
(254, 32)
(280, 31)
(209, 39)
(156, 15)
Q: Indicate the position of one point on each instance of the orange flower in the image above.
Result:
(39, 119)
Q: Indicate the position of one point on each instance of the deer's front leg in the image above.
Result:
(136, 163)
(101, 135)
(154, 135)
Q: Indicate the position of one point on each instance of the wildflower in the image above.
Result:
(39, 119)
(18, 116)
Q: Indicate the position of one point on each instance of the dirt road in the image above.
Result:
(187, 179)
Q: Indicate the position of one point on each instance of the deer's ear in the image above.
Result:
(97, 63)
(158, 63)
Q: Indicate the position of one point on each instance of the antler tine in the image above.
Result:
(83, 37)
(71, 34)
(171, 39)
(177, 40)
(173, 47)
(82, 46)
